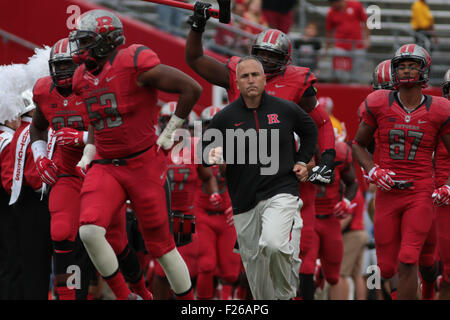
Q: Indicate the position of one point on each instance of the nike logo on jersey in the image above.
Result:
(238, 124)
(279, 85)
(78, 103)
(109, 79)
(421, 121)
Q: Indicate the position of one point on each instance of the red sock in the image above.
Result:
(140, 289)
(241, 293)
(428, 290)
(394, 295)
(227, 292)
(118, 285)
(65, 293)
(205, 285)
(188, 295)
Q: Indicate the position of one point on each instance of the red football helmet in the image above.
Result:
(208, 113)
(61, 64)
(167, 110)
(446, 85)
(96, 35)
(382, 76)
(412, 52)
(273, 41)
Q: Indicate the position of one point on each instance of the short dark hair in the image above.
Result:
(250, 57)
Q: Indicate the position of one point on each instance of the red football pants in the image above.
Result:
(107, 187)
(64, 206)
(216, 244)
(403, 219)
(328, 247)
(443, 227)
(308, 214)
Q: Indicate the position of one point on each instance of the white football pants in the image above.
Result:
(267, 252)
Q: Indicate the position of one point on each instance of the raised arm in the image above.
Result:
(210, 69)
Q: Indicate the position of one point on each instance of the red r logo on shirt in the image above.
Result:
(273, 118)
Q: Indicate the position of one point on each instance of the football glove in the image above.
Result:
(47, 169)
(343, 208)
(441, 196)
(197, 21)
(70, 137)
(215, 199)
(381, 178)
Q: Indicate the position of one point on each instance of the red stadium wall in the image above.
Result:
(44, 22)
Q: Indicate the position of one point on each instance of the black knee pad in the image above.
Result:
(129, 265)
(63, 255)
(429, 274)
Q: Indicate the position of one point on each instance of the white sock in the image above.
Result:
(176, 271)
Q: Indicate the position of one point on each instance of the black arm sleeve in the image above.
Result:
(306, 129)
(311, 91)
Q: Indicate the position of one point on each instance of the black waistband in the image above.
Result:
(120, 161)
(402, 185)
(211, 213)
(323, 216)
(63, 175)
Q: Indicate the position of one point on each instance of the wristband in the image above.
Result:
(39, 148)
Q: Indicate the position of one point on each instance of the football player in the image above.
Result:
(409, 123)
(119, 89)
(61, 114)
(442, 167)
(216, 232)
(183, 173)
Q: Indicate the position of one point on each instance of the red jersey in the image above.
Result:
(357, 222)
(202, 197)
(406, 139)
(328, 196)
(61, 112)
(290, 85)
(441, 164)
(124, 115)
(183, 179)
(347, 24)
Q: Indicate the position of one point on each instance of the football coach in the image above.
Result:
(254, 138)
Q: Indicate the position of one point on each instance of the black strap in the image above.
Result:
(210, 212)
(120, 161)
(67, 176)
(323, 216)
(402, 185)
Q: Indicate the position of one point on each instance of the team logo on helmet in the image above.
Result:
(276, 42)
(96, 35)
(61, 65)
(382, 76)
(209, 112)
(412, 52)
